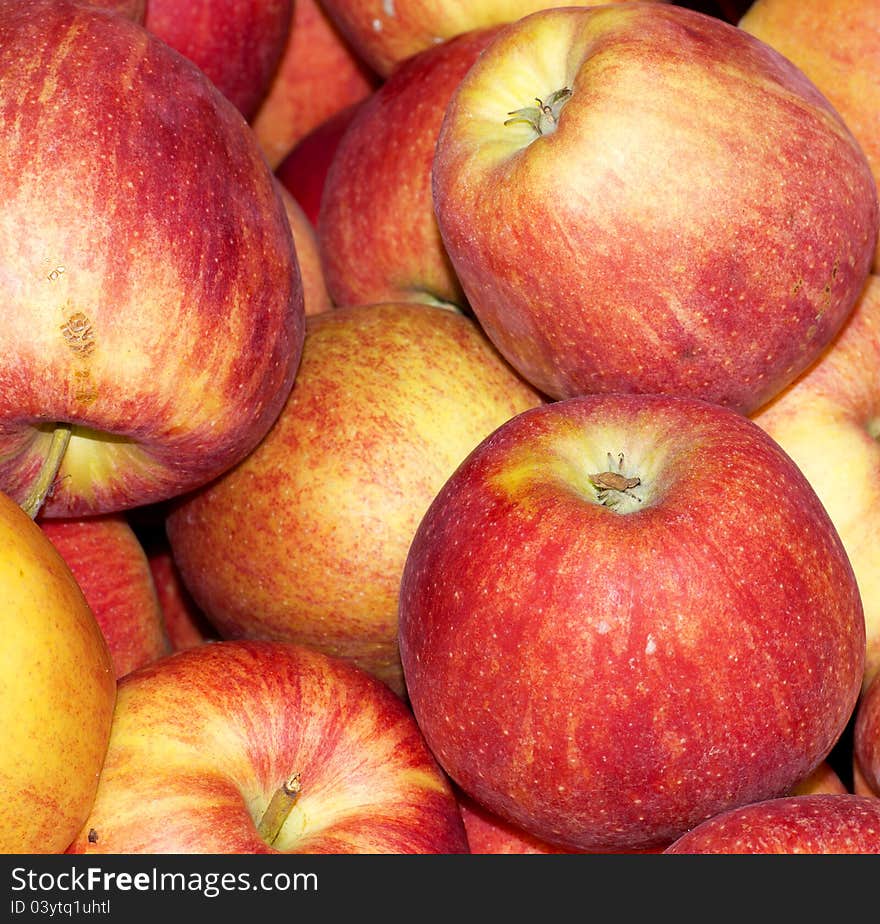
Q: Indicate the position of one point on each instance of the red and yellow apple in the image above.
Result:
(318, 76)
(836, 43)
(265, 747)
(152, 304)
(316, 298)
(110, 565)
(637, 197)
(305, 540)
(623, 614)
(828, 421)
(377, 233)
(828, 823)
(237, 43)
(866, 741)
(57, 692)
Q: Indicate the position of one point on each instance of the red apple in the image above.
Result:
(623, 614)
(866, 741)
(828, 421)
(377, 233)
(185, 624)
(303, 172)
(152, 305)
(237, 43)
(836, 43)
(385, 34)
(263, 747)
(305, 540)
(818, 824)
(57, 692)
(824, 779)
(135, 10)
(316, 298)
(318, 76)
(111, 567)
(683, 213)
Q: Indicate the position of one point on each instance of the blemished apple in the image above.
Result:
(305, 540)
(262, 747)
(303, 171)
(836, 43)
(151, 301)
(57, 692)
(828, 421)
(110, 565)
(319, 75)
(827, 823)
(377, 233)
(387, 33)
(866, 741)
(623, 614)
(637, 197)
(316, 298)
(237, 43)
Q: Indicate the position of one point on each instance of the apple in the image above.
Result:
(111, 568)
(318, 75)
(135, 10)
(683, 214)
(866, 741)
(264, 747)
(185, 624)
(385, 34)
(237, 43)
(316, 298)
(625, 613)
(827, 823)
(377, 233)
(152, 304)
(57, 692)
(305, 540)
(824, 779)
(836, 43)
(828, 421)
(303, 171)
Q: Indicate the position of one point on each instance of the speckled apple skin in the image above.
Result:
(151, 296)
(700, 222)
(866, 740)
(819, 824)
(306, 539)
(606, 680)
(203, 738)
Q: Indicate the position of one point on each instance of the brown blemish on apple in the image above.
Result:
(543, 117)
(78, 333)
(93, 836)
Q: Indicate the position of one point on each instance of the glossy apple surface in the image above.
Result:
(694, 218)
(625, 613)
(866, 741)
(203, 740)
(57, 692)
(305, 540)
(152, 307)
(818, 824)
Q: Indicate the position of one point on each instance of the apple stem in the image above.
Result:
(42, 487)
(543, 117)
(279, 808)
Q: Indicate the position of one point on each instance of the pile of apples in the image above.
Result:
(439, 427)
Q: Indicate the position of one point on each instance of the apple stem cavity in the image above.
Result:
(279, 808)
(42, 487)
(614, 489)
(544, 117)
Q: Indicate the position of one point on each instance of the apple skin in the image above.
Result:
(316, 298)
(305, 540)
(111, 568)
(827, 823)
(185, 624)
(824, 779)
(386, 33)
(135, 10)
(828, 421)
(203, 738)
(377, 233)
(866, 741)
(588, 673)
(639, 247)
(303, 172)
(237, 43)
(836, 43)
(57, 692)
(154, 302)
(318, 75)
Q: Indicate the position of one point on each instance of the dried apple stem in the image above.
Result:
(279, 808)
(48, 472)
